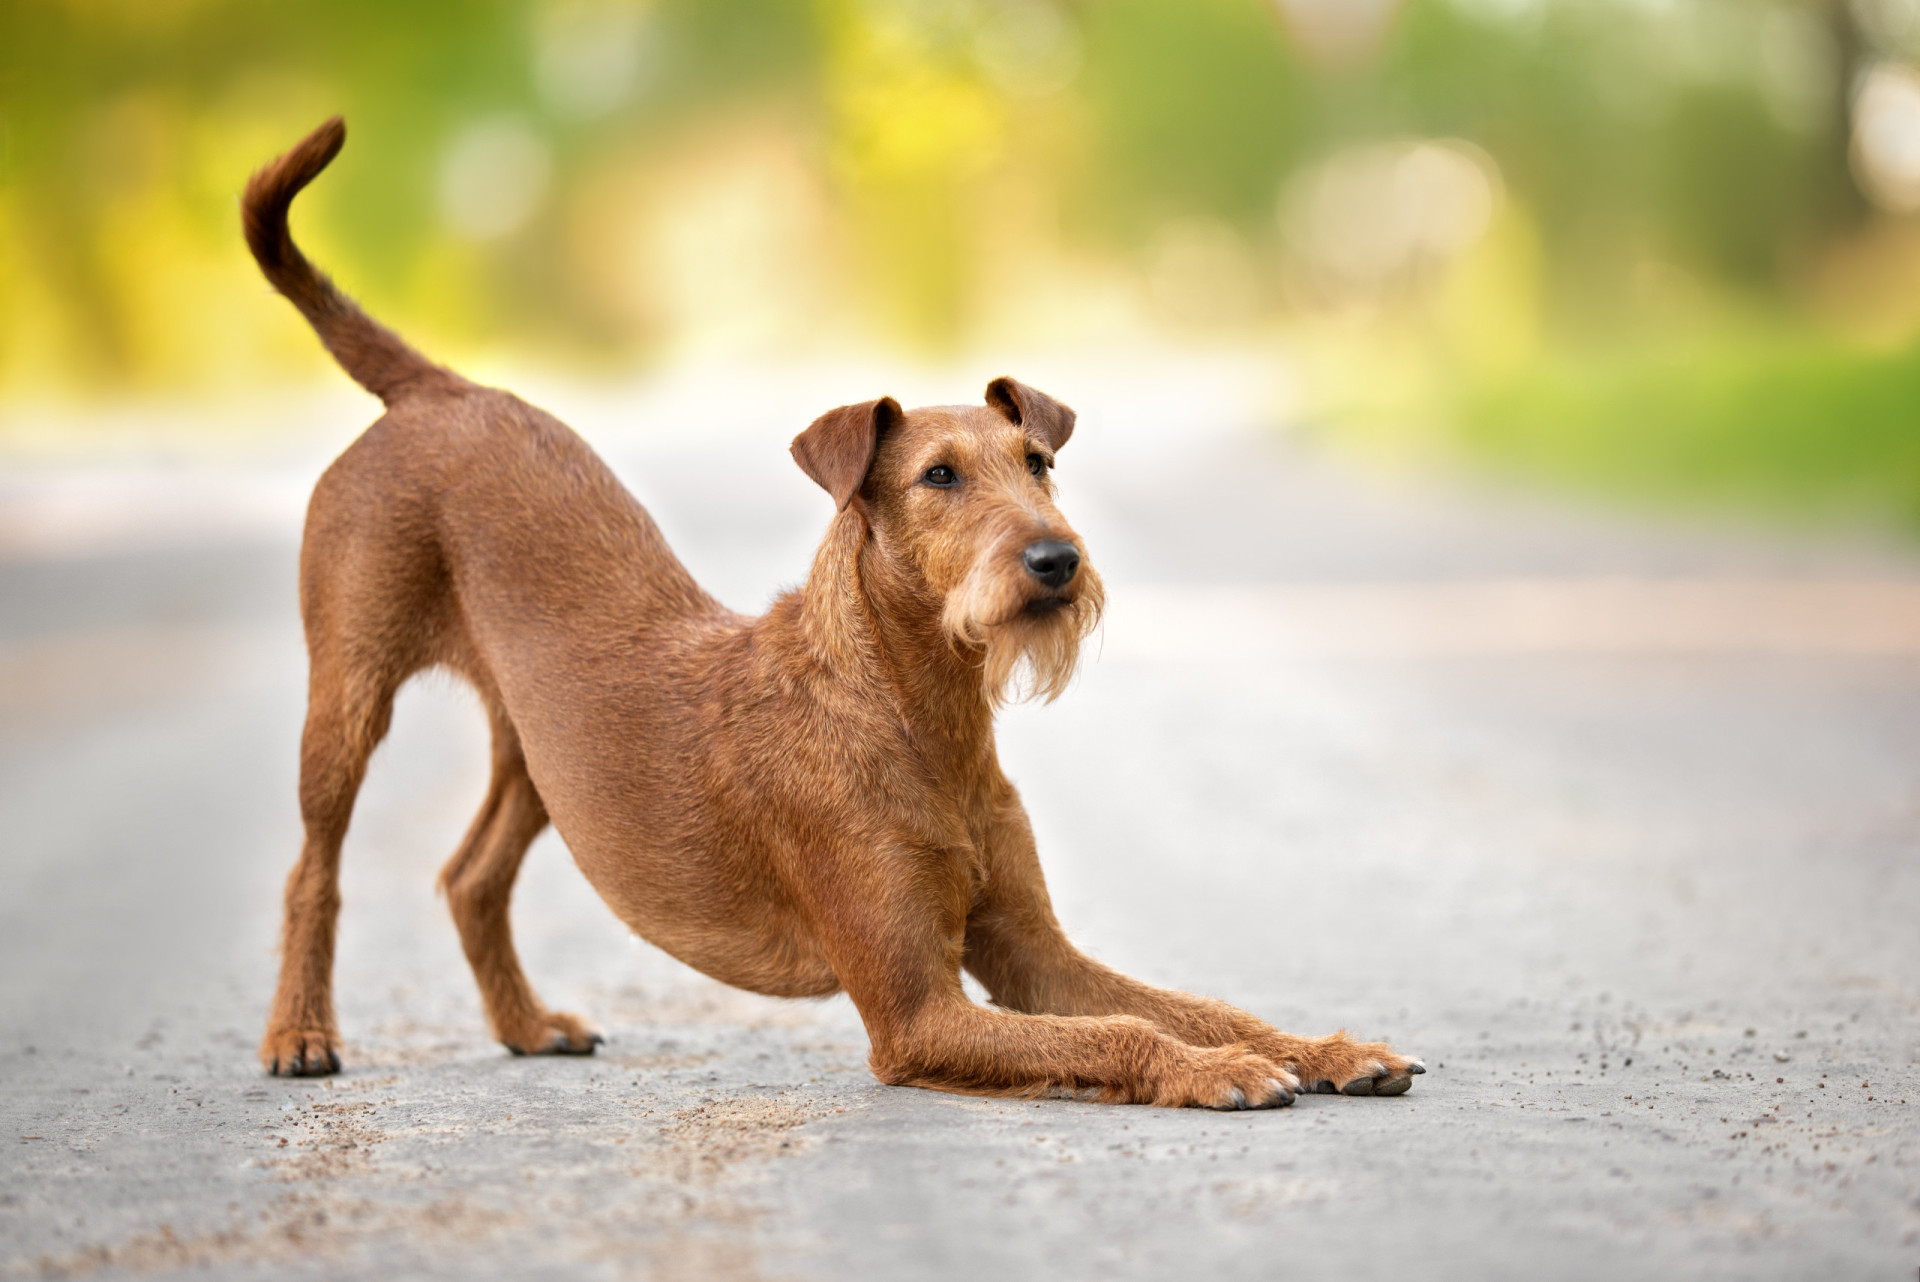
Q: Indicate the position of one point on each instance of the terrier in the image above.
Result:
(797, 804)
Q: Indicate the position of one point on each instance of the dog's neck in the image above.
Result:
(874, 623)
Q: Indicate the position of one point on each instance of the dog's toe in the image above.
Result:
(1386, 1081)
(561, 1044)
(299, 1053)
(1232, 1079)
(1338, 1065)
(572, 1036)
(1271, 1093)
(556, 1033)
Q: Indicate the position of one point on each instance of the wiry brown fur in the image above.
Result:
(796, 804)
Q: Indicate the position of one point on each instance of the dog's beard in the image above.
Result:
(1026, 653)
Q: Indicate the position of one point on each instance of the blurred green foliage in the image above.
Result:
(1198, 107)
(612, 180)
(1804, 426)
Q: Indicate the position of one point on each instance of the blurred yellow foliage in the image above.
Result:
(1487, 306)
(1434, 200)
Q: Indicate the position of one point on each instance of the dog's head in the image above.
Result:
(961, 498)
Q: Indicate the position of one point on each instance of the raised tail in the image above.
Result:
(373, 354)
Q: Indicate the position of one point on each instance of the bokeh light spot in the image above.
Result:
(1372, 217)
(494, 178)
(590, 56)
(1886, 137)
(1028, 48)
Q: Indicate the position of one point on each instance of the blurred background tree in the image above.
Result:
(1656, 245)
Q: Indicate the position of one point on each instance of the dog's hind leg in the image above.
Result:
(374, 602)
(347, 716)
(478, 881)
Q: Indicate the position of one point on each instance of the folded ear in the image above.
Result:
(837, 449)
(1036, 410)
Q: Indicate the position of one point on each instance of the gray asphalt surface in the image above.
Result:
(1649, 916)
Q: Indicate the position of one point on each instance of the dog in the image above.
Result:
(798, 804)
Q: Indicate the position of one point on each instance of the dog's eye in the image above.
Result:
(1036, 465)
(941, 476)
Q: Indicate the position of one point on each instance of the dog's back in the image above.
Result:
(485, 506)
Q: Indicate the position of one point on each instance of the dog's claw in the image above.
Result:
(1415, 1067)
(1236, 1098)
(299, 1052)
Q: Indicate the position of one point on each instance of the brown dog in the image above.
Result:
(794, 804)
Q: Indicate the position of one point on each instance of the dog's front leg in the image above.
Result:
(1016, 948)
(951, 1044)
(898, 955)
(1040, 971)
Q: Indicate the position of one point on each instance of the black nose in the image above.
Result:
(1052, 562)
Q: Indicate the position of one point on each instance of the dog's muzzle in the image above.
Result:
(1052, 562)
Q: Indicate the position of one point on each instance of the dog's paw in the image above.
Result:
(300, 1052)
(1228, 1078)
(1338, 1065)
(555, 1033)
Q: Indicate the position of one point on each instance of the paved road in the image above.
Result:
(1646, 905)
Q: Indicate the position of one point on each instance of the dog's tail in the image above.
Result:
(373, 354)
